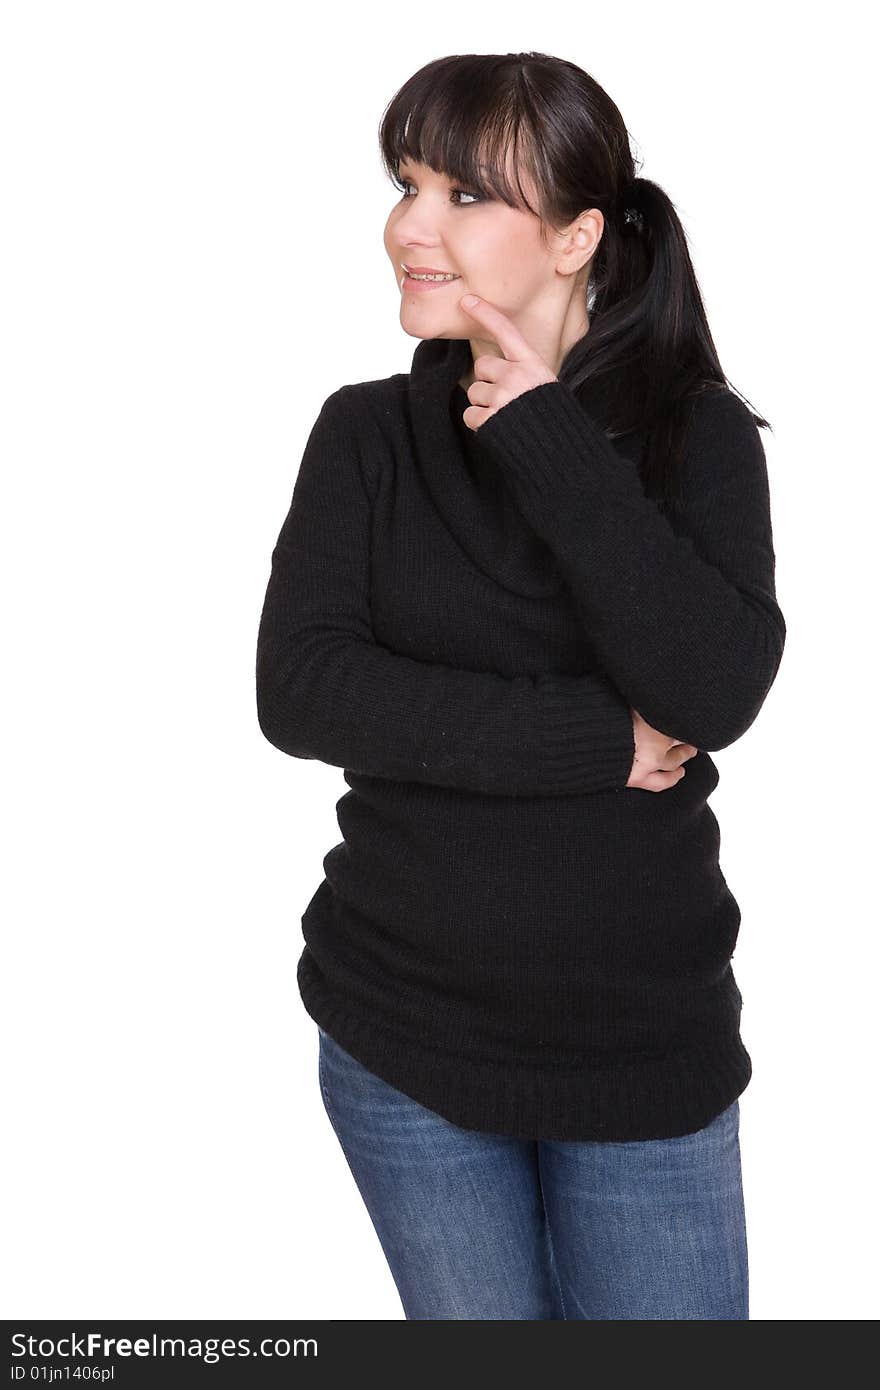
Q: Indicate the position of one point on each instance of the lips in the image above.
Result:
(426, 270)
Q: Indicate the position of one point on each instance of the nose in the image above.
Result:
(413, 230)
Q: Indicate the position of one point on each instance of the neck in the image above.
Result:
(554, 348)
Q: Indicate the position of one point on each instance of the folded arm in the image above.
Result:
(684, 620)
(327, 690)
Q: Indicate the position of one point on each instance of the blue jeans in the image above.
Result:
(479, 1225)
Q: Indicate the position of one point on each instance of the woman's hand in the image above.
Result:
(659, 760)
(498, 380)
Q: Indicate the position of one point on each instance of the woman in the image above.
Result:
(521, 592)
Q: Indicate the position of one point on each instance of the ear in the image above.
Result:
(580, 240)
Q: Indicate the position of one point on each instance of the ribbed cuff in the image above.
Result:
(587, 733)
(552, 450)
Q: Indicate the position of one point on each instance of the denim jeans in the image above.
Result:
(481, 1225)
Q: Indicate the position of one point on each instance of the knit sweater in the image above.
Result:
(463, 621)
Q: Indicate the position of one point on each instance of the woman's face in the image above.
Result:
(496, 251)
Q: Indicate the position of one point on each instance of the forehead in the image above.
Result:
(416, 164)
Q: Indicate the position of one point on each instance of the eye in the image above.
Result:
(404, 184)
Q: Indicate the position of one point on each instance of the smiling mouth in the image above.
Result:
(411, 285)
(437, 277)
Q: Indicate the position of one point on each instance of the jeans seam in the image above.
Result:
(555, 1271)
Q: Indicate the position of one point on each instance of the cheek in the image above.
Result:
(525, 276)
(502, 261)
(522, 253)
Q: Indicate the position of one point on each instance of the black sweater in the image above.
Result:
(462, 621)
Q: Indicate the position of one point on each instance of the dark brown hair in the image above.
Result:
(477, 118)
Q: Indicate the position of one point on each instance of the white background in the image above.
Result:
(179, 182)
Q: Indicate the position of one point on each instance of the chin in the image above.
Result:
(426, 336)
(442, 333)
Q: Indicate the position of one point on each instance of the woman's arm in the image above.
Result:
(327, 690)
(687, 626)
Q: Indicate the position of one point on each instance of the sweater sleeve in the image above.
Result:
(684, 618)
(326, 689)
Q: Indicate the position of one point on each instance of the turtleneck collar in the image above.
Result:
(439, 363)
(439, 360)
(506, 550)
(466, 489)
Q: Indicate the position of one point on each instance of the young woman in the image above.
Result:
(520, 595)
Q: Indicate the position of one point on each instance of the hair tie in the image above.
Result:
(628, 199)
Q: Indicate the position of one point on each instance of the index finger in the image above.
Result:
(503, 330)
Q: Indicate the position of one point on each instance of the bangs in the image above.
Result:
(458, 127)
